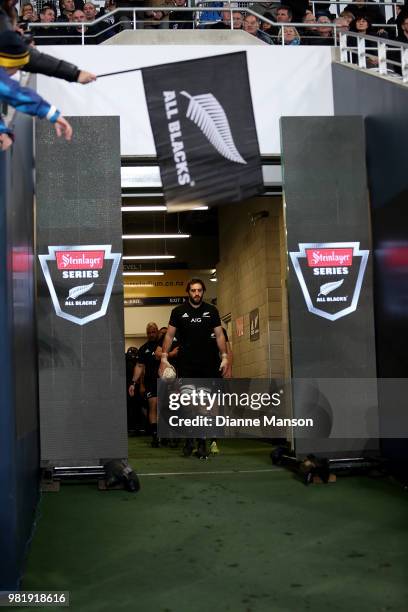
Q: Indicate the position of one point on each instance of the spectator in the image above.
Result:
(325, 34)
(348, 16)
(78, 16)
(393, 21)
(47, 14)
(298, 9)
(341, 26)
(90, 11)
(112, 21)
(403, 37)
(14, 55)
(40, 62)
(27, 14)
(47, 36)
(156, 19)
(126, 19)
(362, 25)
(267, 27)
(96, 32)
(289, 35)
(309, 30)
(373, 12)
(265, 7)
(78, 5)
(284, 14)
(252, 26)
(206, 18)
(225, 24)
(67, 8)
(181, 20)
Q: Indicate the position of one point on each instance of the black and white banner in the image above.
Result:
(204, 130)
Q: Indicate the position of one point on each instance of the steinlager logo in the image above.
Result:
(341, 262)
(80, 302)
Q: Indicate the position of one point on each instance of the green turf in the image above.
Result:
(239, 541)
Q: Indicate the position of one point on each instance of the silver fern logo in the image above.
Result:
(79, 290)
(207, 113)
(329, 287)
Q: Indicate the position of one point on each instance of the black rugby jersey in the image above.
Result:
(194, 329)
(147, 357)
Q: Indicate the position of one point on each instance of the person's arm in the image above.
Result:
(138, 370)
(167, 342)
(43, 63)
(6, 136)
(170, 354)
(5, 141)
(228, 373)
(222, 347)
(28, 101)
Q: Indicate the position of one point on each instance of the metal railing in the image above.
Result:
(132, 23)
(129, 18)
(380, 51)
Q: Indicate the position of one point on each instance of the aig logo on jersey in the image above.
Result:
(80, 280)
(330, 275)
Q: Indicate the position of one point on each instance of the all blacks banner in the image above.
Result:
(204, 130)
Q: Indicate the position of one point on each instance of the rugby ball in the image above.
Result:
(169, 373)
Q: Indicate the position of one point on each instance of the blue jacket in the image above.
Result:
(24, 100)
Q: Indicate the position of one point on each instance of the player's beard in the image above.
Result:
(196, 301)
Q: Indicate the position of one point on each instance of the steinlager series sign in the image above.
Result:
(80, 280)
(330, 275)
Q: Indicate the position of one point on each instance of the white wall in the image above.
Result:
(289, 81)
(137, 317)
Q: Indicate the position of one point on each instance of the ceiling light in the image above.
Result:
(152, 208)
(147, 273)
(185, 206)
(153, 236)
(135, 257)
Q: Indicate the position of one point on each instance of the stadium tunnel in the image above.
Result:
(73, 379)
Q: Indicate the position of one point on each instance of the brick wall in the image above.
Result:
(250, 275)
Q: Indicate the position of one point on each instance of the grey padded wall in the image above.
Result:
(327, 209)
(384, 106)
(79, 243)
(19, 434)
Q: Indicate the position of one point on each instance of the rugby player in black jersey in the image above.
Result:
(148, 365)
(194, 322)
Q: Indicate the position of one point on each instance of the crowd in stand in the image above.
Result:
(358, 16)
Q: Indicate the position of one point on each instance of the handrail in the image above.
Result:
(382, 44)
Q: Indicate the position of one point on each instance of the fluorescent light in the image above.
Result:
(138, 285)
(134, 257)
(143, 208)
(148, 273)
(153, 236)
(156, 208)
